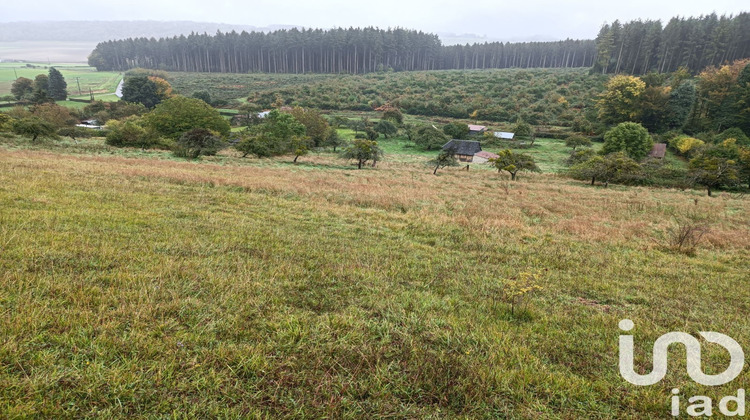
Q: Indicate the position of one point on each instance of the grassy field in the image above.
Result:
(89, 78)
(136, 285)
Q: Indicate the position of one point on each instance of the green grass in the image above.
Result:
(138, 285)
(89, 78)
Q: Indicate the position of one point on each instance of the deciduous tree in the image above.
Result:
(513, 163)
(179, 114)
(34, 127)
(362, 151)
(629, 137)
(22, 88)
(620, 101)
(198, 142)
(445, 158)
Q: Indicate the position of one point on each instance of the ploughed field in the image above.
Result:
(139, 287)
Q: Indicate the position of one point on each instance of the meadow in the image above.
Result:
(88, 77)
(137, 285)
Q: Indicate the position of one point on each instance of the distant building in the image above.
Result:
(476, 129)
(463, 149)
(504, 135)
(92, 124)
(483, 157)
(658, 151)
(263, 114)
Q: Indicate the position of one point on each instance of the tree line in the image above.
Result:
(353, 50)
(640, 47)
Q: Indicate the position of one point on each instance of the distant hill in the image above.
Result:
(98, 31)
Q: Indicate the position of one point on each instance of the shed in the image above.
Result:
(504, 135)
(463, 149)
(658, 151)
(483, 157)
(477, 128)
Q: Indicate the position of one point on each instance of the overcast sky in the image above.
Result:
(496, 19)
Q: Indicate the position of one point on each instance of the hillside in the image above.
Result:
(540, 96)
(141, 286)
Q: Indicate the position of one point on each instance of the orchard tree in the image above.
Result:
(179, 114)
(524, 130)
(300, 146)
(363, 150)
(57, 85)
(34, 127)
(386, 128)
(445, 158)
(712, 171)
(333, 139)
(54, 114)
(393, 115)
(22, 88)
(615, 167)
(513, 163)
(580, 156)
(630, 138)
(75, 133)
(316, 127)
(576, 141)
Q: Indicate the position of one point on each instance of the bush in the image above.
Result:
(178, 115)
(130, 133)
(198, 142)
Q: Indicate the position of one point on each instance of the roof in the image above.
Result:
(463, 147)
(658, 151)
(486, 155)
(504, 135)
(473, 127)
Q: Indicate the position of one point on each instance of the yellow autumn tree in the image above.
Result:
(620, 102)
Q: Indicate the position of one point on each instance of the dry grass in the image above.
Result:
(139, 287)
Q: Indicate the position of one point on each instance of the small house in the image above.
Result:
(263, 114)
(504, 135)
(483, 157)
(463, 149)
(658, 151)
(477, 129)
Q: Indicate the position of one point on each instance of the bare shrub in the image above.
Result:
(685, 235)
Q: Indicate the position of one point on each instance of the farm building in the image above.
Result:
(658, 151)
(476, 129)
(463, 149)
(504, 135)
(483, 157)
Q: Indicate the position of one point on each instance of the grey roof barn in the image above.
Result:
(463, 149)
